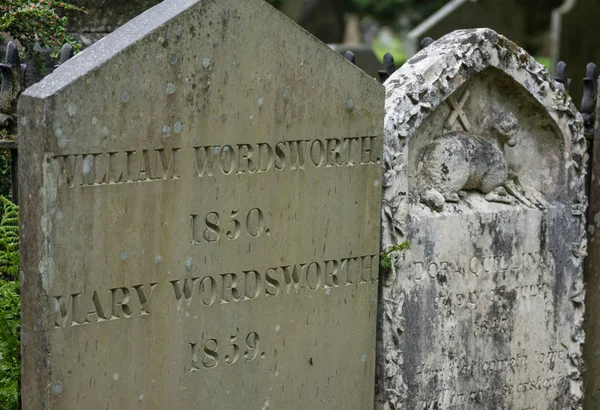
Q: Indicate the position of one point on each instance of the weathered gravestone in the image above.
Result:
(482, 154)
(201, 199)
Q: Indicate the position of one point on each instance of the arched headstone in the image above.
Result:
(484, 174)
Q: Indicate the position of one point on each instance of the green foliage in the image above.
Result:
(545, 61)
(396, 48)
(5, 173)
(9, 240)
(34, 22)
(10, 348)
(385, 258)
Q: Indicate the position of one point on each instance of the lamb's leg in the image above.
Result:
(499, 194)
(451, 197)
(514, 188)
(433, 199)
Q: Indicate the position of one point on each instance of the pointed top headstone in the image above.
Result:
(201, 228)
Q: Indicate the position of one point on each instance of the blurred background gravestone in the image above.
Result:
(323, 18)
(503, 16)
(527, 23)
(103, 17)
(579, 41)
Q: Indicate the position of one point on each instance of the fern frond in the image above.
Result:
(9, 240)
(10, 347)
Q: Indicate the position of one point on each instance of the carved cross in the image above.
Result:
(457, 112)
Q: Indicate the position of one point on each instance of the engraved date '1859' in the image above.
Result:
(208, 356)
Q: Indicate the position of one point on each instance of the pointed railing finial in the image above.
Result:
(66, 52)
(426, 42)
(561, 75)
(388, 67)
(349, 55)
(588, 102)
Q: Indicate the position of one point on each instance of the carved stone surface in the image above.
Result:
(483, 175)
(201, 218)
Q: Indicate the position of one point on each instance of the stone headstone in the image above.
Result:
(483, 175)
(201, 218)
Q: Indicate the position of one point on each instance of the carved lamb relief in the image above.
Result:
(460, 161)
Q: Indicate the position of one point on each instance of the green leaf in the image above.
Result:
(385, 258)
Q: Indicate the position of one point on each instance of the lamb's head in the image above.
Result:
(504, 126)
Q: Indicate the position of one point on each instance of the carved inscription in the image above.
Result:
(119, 167)
(518, 266)
(97, 306)
(473, 298)
(294, 155)
(449, 399)
(480, 371)
(487, 297)
(212, 228)
(146, 165)
(105, 305)
(281, 280)
(208, 355)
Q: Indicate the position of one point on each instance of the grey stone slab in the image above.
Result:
(483, 175)
(200, 206)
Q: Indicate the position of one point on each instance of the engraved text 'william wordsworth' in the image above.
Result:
(147, 165)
